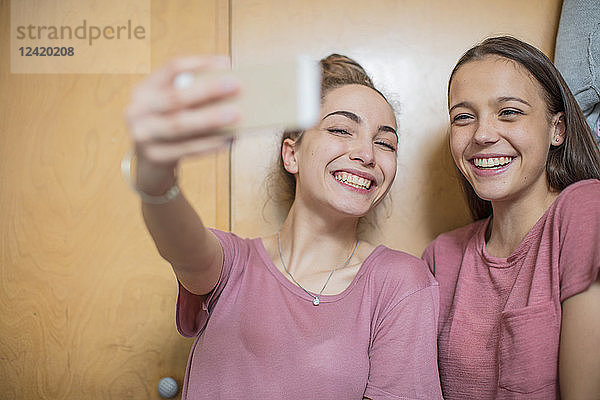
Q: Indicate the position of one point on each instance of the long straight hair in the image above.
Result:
(578, 157)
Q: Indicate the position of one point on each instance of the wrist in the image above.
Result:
(154, 183)
(152, 178)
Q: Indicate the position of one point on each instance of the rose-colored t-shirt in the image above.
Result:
(500, 318)
(260, 337)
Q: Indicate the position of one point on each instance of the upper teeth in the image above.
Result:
(491, 162)
(353, 180)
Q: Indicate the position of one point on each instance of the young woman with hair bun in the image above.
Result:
(311, 311)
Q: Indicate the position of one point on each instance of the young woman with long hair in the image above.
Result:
(519, 288)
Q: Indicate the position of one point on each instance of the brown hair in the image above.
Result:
(337, 71)
(576, 159)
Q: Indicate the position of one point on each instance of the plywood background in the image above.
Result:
(409, 47)
(86, 304)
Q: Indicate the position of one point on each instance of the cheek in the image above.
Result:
(389, 165)
(458, 144)
(538, 152)
(533, 142)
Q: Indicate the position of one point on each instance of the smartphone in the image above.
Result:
(284, 95)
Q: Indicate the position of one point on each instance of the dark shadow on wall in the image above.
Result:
(443, 197)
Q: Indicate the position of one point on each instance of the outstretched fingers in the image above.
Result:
(172, 152)
(184, 124)
(164, 117)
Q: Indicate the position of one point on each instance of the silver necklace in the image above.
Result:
(316, 299)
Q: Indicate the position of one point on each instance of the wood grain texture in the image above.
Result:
(409, 47)
(87, 304)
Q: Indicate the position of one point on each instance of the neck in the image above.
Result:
(512, 220)
(312, 242)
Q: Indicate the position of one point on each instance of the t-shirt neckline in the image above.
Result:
(293, 288)
(523, 247)
(520, 251)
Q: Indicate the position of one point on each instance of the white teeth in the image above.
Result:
(492, 162)
(353, 180)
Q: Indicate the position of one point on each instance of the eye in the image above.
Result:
(462, 119)
(338, 131)
(510, 112)
(386, 145)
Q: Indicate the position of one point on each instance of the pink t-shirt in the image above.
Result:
(500, 318)
(260, 337)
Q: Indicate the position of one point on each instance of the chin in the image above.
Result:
(356, 212)
(489, 189)
(492, 194)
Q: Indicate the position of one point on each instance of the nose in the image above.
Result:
(362, 150)
(486, 132)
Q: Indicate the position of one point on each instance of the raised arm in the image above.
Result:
(167, 124)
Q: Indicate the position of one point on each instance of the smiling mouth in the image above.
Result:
(353, 180)
(492, 162)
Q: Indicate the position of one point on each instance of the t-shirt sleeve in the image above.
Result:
(193, 310)
(579, 261)
(403, 354)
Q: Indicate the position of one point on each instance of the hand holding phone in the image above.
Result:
(176, 113)
(284, 95)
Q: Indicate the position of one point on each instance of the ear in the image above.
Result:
(558, 129)
(289, 156)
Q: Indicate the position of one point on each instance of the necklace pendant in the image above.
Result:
(316, 301)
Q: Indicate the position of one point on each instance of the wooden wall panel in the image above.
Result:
(87, 305)
(409, 47)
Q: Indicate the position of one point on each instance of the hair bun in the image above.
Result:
(339, 70)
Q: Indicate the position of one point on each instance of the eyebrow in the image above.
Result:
(502, 99)
(346, 114)
(387, 128)
(465, 104)
(358, 120)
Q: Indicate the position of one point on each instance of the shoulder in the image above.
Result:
(580, 193)
(227, 239)
(576, 219)
(234, 247)
(400, 271)
(578, 203)
(455, 240)
(449, 247)
(230, 237)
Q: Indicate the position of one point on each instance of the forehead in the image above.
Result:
(494, 76)
(361, 100)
